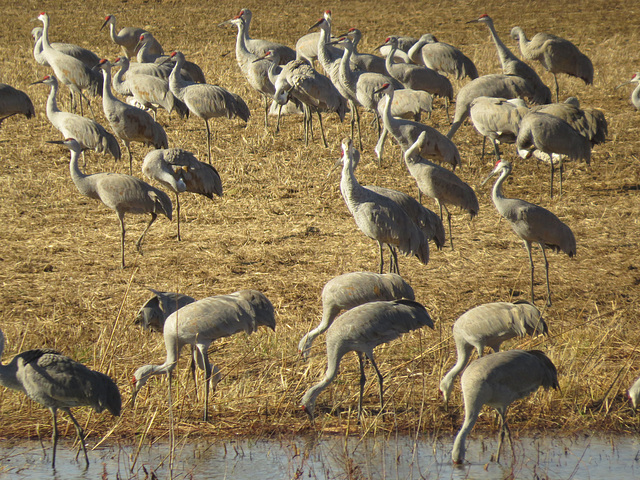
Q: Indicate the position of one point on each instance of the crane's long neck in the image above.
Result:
(504, 53)
(389, 61)
(323, 49)
(83, 182)
(107, 94)
(635, 97)
(415, 52)
(144, 54)
(113, 33)
(496, 193)
(446, 384)
(523, 41)
(329, 313)
(45, 34)
(243, 56)
(8, 373)
(349, 186)
(347, 77)
(390, 122)
(37, 50)
(52, 105)
(333, 362)
(176, 83)
(118, 79)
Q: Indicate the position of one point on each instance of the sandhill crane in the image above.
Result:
(444, 186)
(361, 329)
(634, 393)
(531, 223)
(635, 95)
(495, 85)
(556, 55)
(181, 171)
(498, 380)
(328, 54)
(409, 104)
(418, 77)
(122, 193)
(155, 311)
(364, 61)
(127, 37)
(84, 55)
(436, 146)
(69, 70)
(589, 122)
(14, 102)
(350, 290)
(489, 325)
(555, 137)
(190, 71)
(497, 119)
(59, 383)
(148, 49)
(129, 123)
(405, 44)
(512, 65)
(88, 133)
(307, 47)
(205, 100)
(200, 323)
(147, 90)
(378, 217)
(442, 57)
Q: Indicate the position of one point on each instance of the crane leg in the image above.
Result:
(484, 141)
(557, 88)
(528, 246)
(306, 125)
(178, 214)
(380, 380)
(551, 183)
(546, 270)
(278, 120)
(363, 380)
(393, 260)
(206, 122)
(82, 95)
(448, 220)
(80, 435)
(357, 115)
(130, 158)
(122, 230)
(446, 106)
(500, 437)
(497, 149)
(141, 239)
(379, 150)
(381, 257)
(324, 139)
(207, 379)
(266, 112)
(561, 170)
(54, 437)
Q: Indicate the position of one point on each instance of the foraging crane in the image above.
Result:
(635, 95)
(349, 290)
(14, 102)
(378, 217)
(127, 37)
(205, 100)
(69, 70)
(442, 57)
(122, 193)
(489, 325)
(181, 171)
(555, 137)
(498, 380)
(634, 393)
(361, 329)
(556, 55)
(89, 134)
(436, 146)
(129, 123)
(512, 65)
(84, 55)
(200, 323)
(444, 186)
(155, 311)
(532, 223)
(57, 382)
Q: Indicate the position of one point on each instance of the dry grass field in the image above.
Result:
(282, 227)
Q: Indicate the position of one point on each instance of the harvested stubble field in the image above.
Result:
(282, 228)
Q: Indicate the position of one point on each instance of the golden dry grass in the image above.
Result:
(282, 228)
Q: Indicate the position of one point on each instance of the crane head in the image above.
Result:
(43, 17)
(47, 79)
(384, 88)
(107, 19)
(484, 18)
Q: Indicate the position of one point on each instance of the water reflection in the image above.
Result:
(331, 457)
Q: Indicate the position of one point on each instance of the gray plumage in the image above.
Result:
(635, 95)
(405, 44)
(361, 329)
(148, 49)
(364, 61)
(349, 290)
(121, 193)
(86, 56)
(555, 54)
(378, 217)
(88, 133)
(129, 123)
(489, 325)
(181, 171)
(634, 393)
(200, 323)
(444, 186)
(307, 47)
(155, 311)
(59, 383)
(532, 223)
(442, 57)
(14, 102)
(329, 55)
(498, 380)
(127, 37)
(590, 122)
(189, 71)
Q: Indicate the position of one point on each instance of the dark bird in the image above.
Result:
(14, 102)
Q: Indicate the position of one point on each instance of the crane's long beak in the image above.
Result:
(472, 21)
(105, 23)
(623, 84)
(493, 172)
(55, 142)
(336, 41)
(35, 83)
(315, 24)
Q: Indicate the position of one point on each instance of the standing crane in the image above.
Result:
(442, 57)
(155, 311)
(349, 290)
(181, 171)
(190, 71)
(88, 133)
(14, 102)
(489, 325)
(148, 49)
(205, 100)
(361, 329)
(129, 123)
(364, 61)
(378, 217)
(512, 65)
(532, 223)
(127, 37)
(69, 70)
(59, 383)
(329, 55)
(556, 55)
(635, 95)
(86, 56)
(404, 46)
(122, 193)
(444, 186)
(200, 323)
(498, 380)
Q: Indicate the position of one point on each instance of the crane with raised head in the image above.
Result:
(200, 323)
(442, 57)
(86, 56)
(190, 71)
(282, 53)
(532, 223)
(127, 37)
(14, 102)
(360, 330)
(498, 380)
(364, 61)
(635, 95)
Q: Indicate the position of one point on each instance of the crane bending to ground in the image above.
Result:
(200, 323)
(59, 383)
(532, 223)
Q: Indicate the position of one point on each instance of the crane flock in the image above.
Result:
(378, 308)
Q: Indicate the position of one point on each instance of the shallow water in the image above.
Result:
(328, 457)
